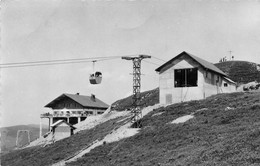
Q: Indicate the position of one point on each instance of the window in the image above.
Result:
(217, 81)
(225, 84)
(186, 77)
(89, 112)
(212, 79)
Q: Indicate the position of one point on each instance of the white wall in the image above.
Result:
(231, 87)
(180, 94)
(61, 131)
(211, 85)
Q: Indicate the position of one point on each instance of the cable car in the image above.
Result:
(95, 78)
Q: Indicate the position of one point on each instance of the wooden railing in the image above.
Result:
(49, 115)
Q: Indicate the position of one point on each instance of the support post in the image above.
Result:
(40, 128)
(50, 123)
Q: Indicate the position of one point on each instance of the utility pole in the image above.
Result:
(137, 113)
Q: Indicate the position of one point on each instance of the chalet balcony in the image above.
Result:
(66, 115)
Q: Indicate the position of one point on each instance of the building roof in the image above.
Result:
(202, 62)
(229, 80)
(85, 101)
(62, 121)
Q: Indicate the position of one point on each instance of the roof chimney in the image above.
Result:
(77, 93)
(93, 97)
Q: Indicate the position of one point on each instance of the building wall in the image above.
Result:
(231, 87)
(209, 83)
(67, 103)
(62, 131)
(215, 84)
(75, 108)
(212, 82)
(170, 94)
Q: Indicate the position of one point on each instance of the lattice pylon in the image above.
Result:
(136, 111)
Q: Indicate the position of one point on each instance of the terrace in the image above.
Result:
(65, 114)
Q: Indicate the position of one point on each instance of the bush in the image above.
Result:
(255, 106)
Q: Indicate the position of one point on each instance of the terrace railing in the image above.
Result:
(49, 115)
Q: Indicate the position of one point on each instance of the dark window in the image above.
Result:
(225, 84)
(179, 77)
(212, 79)
(186, 77)
(89, 112)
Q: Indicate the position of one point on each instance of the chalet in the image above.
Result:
(61, 129)
(188, 77)
(74, 108)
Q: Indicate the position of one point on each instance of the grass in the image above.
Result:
(148, 98)
(40, 156)
(215, 136)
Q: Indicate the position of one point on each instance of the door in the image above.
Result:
(168, 98)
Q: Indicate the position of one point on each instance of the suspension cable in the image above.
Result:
(63, 61)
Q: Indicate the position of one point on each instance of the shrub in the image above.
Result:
(255, 106)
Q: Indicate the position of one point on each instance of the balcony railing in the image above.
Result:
(49, 115)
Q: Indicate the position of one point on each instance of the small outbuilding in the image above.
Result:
(188, 77)
(61, 129)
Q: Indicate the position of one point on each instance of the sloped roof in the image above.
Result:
(202, 62)
(85, 101)
(229, 80)
(62, 121)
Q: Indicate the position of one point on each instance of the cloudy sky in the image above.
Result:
(35, 30)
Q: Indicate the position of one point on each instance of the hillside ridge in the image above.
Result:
(241, 72)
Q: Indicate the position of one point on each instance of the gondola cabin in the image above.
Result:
(95, 78)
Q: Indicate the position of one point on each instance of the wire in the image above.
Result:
(51, 63)
(55, 62)
(43, 64)
(158, 59)
(60, 60)
(151, 63)
(64, 61)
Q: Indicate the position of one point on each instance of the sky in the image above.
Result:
(35, 30)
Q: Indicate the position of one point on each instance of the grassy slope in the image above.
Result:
(53, 153)
(214, 136)
(148, 98)
(240, 71)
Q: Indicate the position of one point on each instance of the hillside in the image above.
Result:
(220, 130)
(241, 71)
(148, 98)
(9, 134)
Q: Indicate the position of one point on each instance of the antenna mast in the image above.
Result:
(137, 113)
(230, 52)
